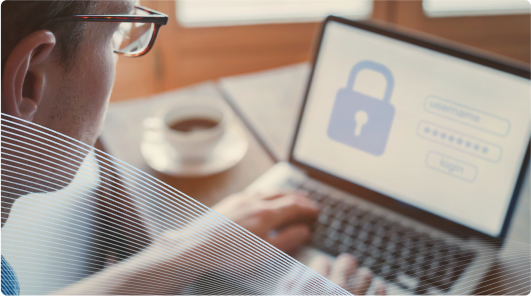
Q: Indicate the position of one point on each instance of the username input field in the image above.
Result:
(468, 116)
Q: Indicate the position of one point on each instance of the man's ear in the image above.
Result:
(23, 80)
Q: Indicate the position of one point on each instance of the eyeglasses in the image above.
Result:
(136, 33)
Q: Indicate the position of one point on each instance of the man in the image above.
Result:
(60, 74)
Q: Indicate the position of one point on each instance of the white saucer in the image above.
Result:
(162, 157)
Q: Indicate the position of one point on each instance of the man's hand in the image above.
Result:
(281, 219)
(288, 215)
(344, 272)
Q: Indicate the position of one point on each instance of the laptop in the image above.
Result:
(415, 150)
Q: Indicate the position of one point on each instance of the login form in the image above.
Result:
(431, 130)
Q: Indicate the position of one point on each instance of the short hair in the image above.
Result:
(21, 18)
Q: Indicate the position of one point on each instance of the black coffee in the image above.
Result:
(193, 124)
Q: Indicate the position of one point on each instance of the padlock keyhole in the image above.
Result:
(361, 117)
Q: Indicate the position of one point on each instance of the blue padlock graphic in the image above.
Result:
(361, 121)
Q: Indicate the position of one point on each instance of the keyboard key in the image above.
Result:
(332, 234)
(336, 224)
(349, 229)
(369, 262)
(363, 235)
(402, 264)
(343, 248)
(375, 253)
(353, 220)
(323, 219)
(393, 237)
(377, 241)
(360, 246)
(381, 232)
(367, 226)
(341, 215)
(347, 241)
(390, 247)
(405, 252)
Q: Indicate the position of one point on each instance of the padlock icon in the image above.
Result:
(359, 120)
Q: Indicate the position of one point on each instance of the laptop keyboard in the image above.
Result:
(414, 260)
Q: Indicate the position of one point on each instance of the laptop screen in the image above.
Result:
(428, 129)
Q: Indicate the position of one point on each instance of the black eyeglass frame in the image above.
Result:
(155, 17)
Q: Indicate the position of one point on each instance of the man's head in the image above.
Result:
(58, 75)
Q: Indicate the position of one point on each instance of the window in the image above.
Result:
(193, 13)
(441, 8)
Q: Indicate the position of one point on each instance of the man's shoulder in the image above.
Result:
(8, 279)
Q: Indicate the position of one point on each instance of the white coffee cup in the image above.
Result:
(195, 143)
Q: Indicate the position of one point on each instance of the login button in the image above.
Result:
(451, 166)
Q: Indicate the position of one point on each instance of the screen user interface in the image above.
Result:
(431, 130)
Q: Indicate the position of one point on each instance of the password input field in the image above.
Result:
(468, 116)
(459, 141)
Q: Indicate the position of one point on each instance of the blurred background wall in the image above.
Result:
(235, 38)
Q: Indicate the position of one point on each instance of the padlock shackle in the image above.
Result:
(380, 68)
